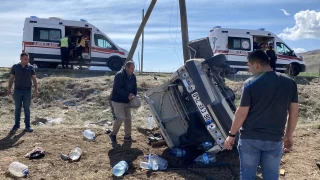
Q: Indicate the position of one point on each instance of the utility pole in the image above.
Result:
(141, 27)
(142, 46)
(184, 30)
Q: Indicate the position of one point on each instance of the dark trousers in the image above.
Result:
(22, 98)
(78, 51)
(64, 57)
(273, 64)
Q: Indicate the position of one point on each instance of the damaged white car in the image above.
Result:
(194, 106)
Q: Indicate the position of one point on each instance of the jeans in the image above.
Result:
(254, 152)
(22, 97)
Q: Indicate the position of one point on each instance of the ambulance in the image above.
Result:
(236, 44)
(41, 37)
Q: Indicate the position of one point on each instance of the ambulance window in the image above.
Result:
(46, 34)
(102, 41)
(238, 43)
(283, 49)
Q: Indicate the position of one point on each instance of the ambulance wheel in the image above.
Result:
(115, 64)
(216, 60)
(293, 70)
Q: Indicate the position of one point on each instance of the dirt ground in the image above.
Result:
(89, 93)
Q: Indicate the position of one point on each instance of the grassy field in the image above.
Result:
(89, 91)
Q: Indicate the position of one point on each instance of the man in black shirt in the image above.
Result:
(124, 90)
(267, 100)
(22, 75)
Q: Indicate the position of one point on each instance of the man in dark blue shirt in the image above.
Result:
(22, 75)
(124, 90)
(269, 100)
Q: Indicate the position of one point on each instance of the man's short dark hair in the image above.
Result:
(259, 56)
(23, 54)
(129, 63)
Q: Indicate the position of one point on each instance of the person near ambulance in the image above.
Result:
(65, 51)
(80, 44)
(272, 56)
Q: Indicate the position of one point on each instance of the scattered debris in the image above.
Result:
(107, 131)
(64, 157)
(154, 138)
(42, 121)
(36, 153)
(69, 103)
(75, 154)
(282, 172)
(89, 135)
(95, 92)
(18, 169)
(120, 168)
(159, 143)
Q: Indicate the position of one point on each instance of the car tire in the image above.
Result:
(230, 94)
(226, 70)
(293, 70)
(115, 64)
(216, 60)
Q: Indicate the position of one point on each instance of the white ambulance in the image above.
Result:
(236, 44)
(41, 37)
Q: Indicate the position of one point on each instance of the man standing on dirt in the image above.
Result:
(22, 74)
(124, 89)
(268, 101)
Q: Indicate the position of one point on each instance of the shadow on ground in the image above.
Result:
(11, 140)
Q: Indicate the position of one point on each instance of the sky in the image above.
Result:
(296, 22)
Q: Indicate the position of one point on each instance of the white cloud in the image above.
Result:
(299, 50)
(307, 26)
(285, 12)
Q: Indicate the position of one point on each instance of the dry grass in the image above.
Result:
(90, 94)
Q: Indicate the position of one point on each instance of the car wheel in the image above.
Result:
(115, 64)
(230, 94)
(293, 70)
(226, 70)
(216, 60)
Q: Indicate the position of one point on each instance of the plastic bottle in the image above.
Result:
(88, 134)
(75, 153)
(177, 152)
(154, 159)
(146, 165)
(120, 168)
(150, 122)
(206, 145)
(206, 158)
(18, 169)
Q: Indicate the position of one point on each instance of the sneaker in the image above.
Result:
(113, 138)
(28, 130)
(128, 139)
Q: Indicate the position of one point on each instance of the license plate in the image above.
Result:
(203, 110)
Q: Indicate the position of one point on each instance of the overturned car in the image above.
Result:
(195, 105)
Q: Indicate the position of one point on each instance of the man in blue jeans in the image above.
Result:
(22, 74)
(269, 100)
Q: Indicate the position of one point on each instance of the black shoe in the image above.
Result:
(28, 129)
(113, 138)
